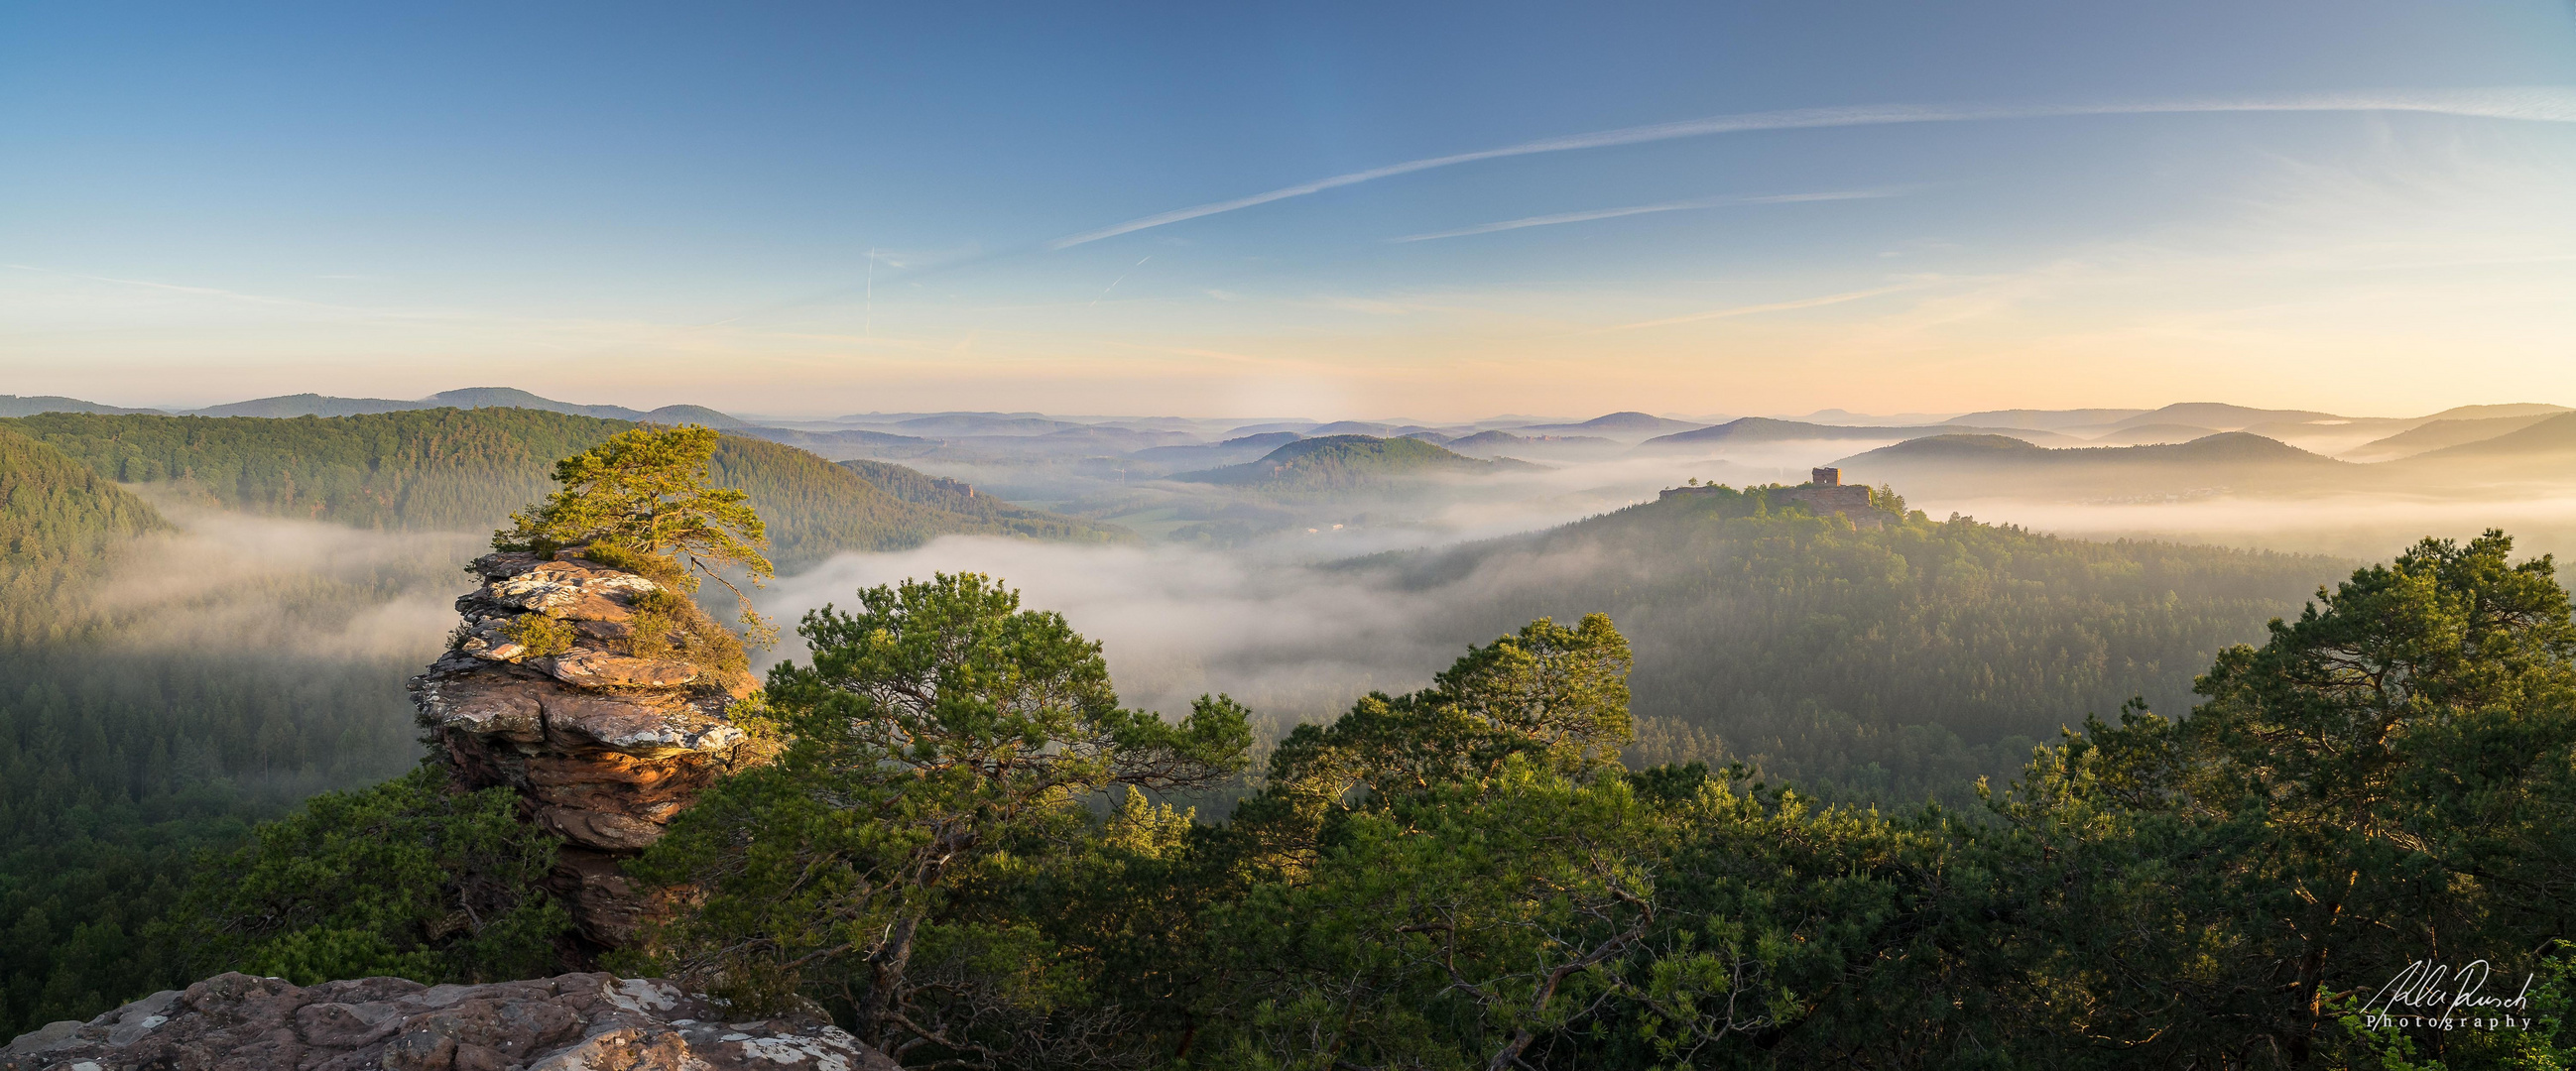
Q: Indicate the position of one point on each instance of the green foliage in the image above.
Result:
(938, 730)
(1889, 664)
(2390, 778)
(1464, 876)
(118, 765)
(424, 469)
(1556, 697)
(467, 469)
(408, 878)
(540, 634)
(668, 624)
(645, 490)
(654, 567)
(58, 523)
(643, 496)
(1456, 928)
(967, 849)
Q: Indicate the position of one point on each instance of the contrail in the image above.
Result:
(1122, 277)
(2547, 104)
(1639, 210)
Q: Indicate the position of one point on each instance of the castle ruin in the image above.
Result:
(1824, 492)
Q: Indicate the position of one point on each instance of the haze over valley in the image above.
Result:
(1293, 563)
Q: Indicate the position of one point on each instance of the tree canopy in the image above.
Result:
(939, 730)
(970, 852)
(646, 490)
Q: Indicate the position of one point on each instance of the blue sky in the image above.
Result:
(828, 208)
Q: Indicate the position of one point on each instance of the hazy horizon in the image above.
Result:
(1825, 414)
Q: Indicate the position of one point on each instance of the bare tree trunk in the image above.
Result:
(883, 1007)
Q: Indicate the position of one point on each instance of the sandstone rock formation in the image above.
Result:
(577, 1022)
(552, 690)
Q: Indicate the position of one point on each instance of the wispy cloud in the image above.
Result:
(198, 291)
(1775, 306)
(1639, 210)
(2547, 104)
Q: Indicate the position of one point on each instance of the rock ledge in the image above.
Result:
(575, 1022)
(602, 746)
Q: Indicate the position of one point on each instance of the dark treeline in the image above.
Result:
(118, 766)
(1888, 663)
(466, 469)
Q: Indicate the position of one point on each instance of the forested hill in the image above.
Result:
(459, 469)
(1888, 663)
(56, 518)
(817, 508)
(430, 468)
(1997, 465)
(1339, 461)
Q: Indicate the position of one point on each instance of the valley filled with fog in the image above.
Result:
(1229, 568)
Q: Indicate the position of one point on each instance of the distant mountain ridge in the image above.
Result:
(295, 405)
(2553, 438)
(1773, 429)
(2153, 434)
(983, 438)
(1628, 422)
(1499, 442)
(12, 405)
(2217, 446)
(2044, 419)
(2441, 434)
(2001, 466)
(2221, 416)
(1233, 451)
(1340, 461)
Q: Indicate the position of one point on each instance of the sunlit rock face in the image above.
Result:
(575, 1022)
(603, 747)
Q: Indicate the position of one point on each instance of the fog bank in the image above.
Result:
(237, 583)
(2365, 527)
(1292, 642)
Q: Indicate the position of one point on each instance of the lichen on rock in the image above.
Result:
(575, 1022)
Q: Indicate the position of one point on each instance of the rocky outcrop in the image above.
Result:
(576, 1022)
(545, 691)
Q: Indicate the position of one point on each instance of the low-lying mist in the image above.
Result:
(1293, 642)
(1288, 625)
(2363, 527)
(249, 585)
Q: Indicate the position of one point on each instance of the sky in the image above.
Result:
(1325, 210)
